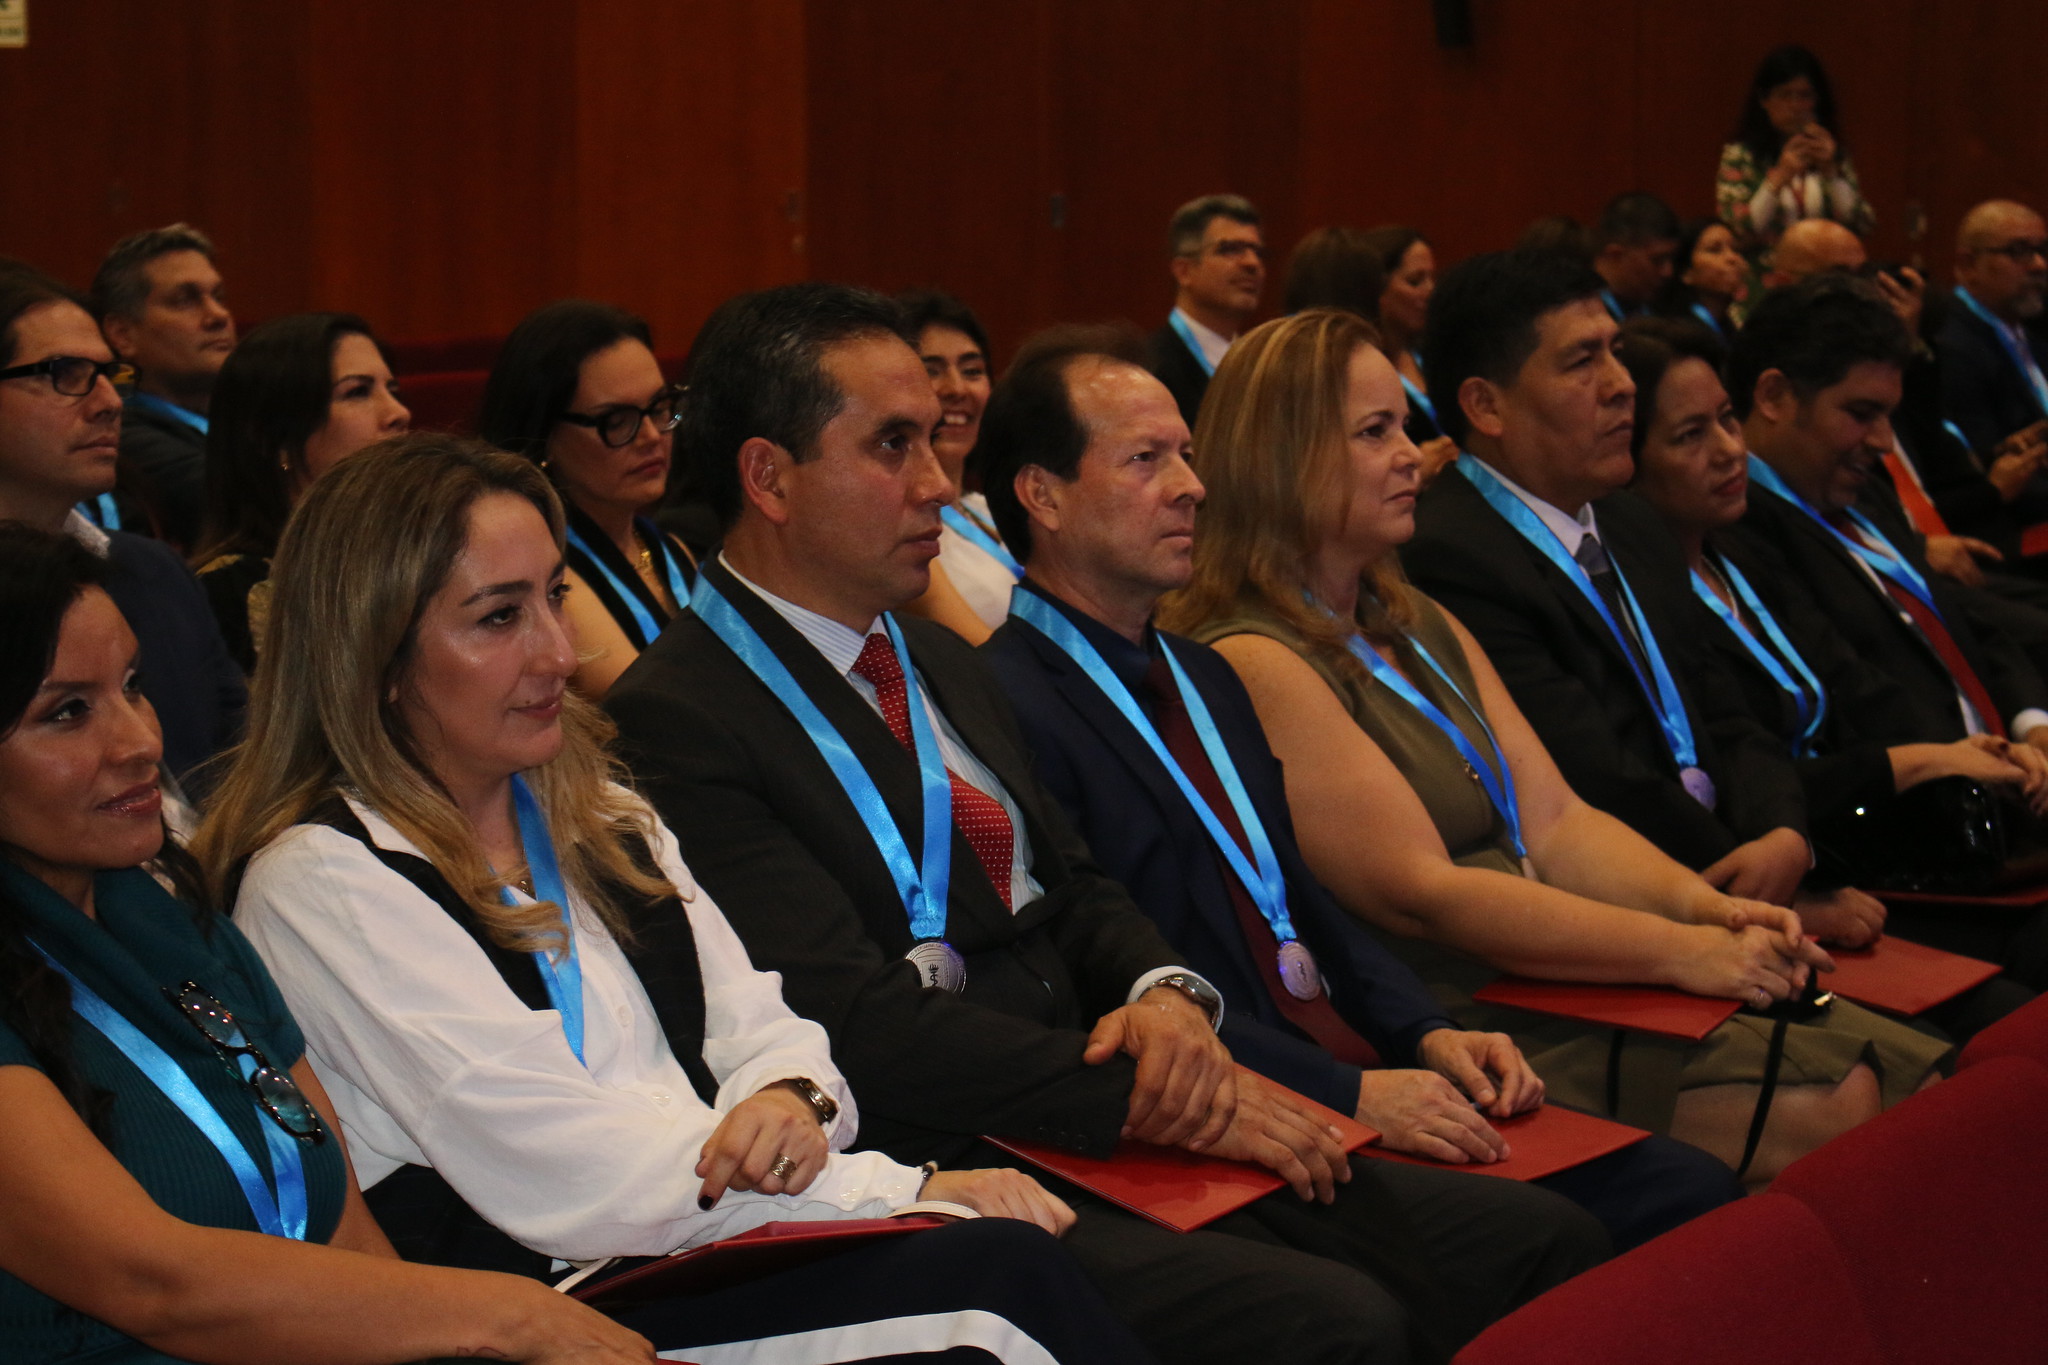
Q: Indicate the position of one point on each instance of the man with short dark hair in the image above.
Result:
(1635, 245)
(1218, 261)
(1530, 543)
(813, 752)
(1085, 457)
(60, 426)
(161, 305)
(1994, 366)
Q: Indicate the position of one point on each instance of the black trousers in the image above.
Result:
(990, 1289)
(1647, 1188)
(1407, 1265)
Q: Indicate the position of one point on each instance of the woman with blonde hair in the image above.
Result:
(545, 1043)
(1479, 858)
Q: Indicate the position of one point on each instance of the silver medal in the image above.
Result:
(938, 964)
(1298, 971)
(1698, 785)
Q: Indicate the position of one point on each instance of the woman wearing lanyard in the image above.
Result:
(1410, 267)
(1426, 804)
(1710, 279)
(545, 1041)
(297, 397)
(1855, 746)
(171, 1182)
(577, 390)
(973, 575)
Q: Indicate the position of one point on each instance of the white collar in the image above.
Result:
(1566, 527)
(840, 644)
(85, 533)
(1213, 343)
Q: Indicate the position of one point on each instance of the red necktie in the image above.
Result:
(1932, 629)
(1920, 508)
(1318, 1018)
(979, 816)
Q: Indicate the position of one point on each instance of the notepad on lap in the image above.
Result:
(765, 1250)
(1903, 977)
(1650, 1009)
(1542, 1142)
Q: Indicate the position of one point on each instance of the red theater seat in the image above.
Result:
(1940, 1207)
(444, 402)
(2023, 1033)
(1760, 1282)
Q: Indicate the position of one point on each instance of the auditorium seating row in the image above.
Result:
(442, 380)
(1917, 1237)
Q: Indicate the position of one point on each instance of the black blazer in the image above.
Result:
(187, 674)
(165, 460)
(1177, 367)
(1982, 390)
(769, 832)
(1147, 836)
(1573, 683)
(1871, 623)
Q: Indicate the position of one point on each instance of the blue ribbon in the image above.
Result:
(970, 530)
(1264, 883)
(2023, 361)
(563, 979)
(1951, 428)
(1706, 315)
(282, 1214)
(1809, 698)
(1497, 778)
(1890, 563)
(1420, 400)
(922, 887)
(1658, 689)
(643, 618)
(1187, 334)
(1614, 306)
(135, 398)
(102, 512)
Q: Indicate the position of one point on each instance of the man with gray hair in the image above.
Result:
(1219, 270)
(160, 304)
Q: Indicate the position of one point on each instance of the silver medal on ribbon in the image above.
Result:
(938, 964)
(1698, 785)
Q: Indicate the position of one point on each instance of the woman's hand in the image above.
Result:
(1820, 150)
(560, 1331)
(1747, 965)
(2019, 769)
(1487, 1067)
(1845, 917)
(773, 1124)
(1002, 1193)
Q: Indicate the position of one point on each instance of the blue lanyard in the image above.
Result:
(1946, 425)
(1614, 305)
(1496, 777)
(136, 399)
(1187, 334)
(1809, 698)
(970, 530)
(1704, 314)
(641, 616)
(280, 1215)
(102, 512)
(1417, 399)
(563, 979)
(2022, 360)
(1663, 696)
(1265, 883)
(921, 886)
(1889, 562)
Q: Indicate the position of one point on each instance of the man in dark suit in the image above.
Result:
(1038, 1003)
(1218, 261)
(1103, 536)
(162, 306)
(1815, 385)
(58, 447)
(1992, 365)
(1635, 249)
(1528, 542)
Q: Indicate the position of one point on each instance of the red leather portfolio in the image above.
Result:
(765, 1250)
(1541, 1142)
(1651, 1009)
(1901, 976)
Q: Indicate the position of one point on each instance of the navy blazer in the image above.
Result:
(1144, 833)
(1177, 367)
(187, 674)
(1982, 391)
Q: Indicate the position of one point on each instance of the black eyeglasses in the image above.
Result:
(73, 375)
(276, 1092)
(2021, 252)
(616, 426)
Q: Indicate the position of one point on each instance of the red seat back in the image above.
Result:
(444, 402)
(2023, 1033)
(436, 355)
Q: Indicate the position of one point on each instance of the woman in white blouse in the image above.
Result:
(419, 801)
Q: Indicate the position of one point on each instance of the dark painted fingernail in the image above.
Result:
(705, 1201)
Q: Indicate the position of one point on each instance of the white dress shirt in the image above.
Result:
(981, 579)
(841, 645)
(1569, 527)
(431, 1060)
(1213, 343)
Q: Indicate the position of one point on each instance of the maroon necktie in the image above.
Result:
(1933, 630)
(1317, 1018)
(979, 816)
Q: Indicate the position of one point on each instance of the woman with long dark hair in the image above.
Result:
(1787, 159)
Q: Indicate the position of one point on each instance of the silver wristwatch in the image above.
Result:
(1195, 989)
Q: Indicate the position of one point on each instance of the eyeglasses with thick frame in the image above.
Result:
(74, 375)
(277, 1094)
(617, 425)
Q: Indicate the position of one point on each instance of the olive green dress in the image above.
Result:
(1573, 1058)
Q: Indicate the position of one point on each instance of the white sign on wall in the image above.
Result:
(13, 23)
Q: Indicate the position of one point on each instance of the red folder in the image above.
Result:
(2020, 898)
(1650, 1009)
(1174, 1188)
(1903, 977)
(1542, 1142)
(765, 1250)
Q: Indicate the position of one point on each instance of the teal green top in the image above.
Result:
(143, 940)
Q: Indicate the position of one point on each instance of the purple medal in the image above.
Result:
(1298, 971)
(1698, 785)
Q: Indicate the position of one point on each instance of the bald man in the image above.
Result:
(1992, 360)
(1810, 246)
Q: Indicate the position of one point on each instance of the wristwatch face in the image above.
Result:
(827, 1107)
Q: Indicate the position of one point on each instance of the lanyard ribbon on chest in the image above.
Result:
(1809, 698)
(1886, 561)
(1187, 334)
(971, 531)
(2022, 359)
(679, 592)
(564, 978)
